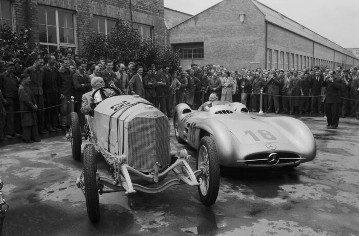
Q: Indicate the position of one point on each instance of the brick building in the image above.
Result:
(174, 17)
(58, 24)
(355, 51)
(246, 33)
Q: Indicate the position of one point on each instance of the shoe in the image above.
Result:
(27, 141)
(9, 136)
(18, 135)
(51, 129)
(36, 140)
(57, 129)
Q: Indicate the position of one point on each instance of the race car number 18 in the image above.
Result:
(263, 133)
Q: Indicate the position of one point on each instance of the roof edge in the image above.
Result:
(178, 11)
(198, 14)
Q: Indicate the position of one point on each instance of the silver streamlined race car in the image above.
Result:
(240, 139)
(133, 137)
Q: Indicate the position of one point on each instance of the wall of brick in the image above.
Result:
(227, 41)
(149, 12)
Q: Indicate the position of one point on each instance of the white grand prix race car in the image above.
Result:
(239, 139)
(133, 137)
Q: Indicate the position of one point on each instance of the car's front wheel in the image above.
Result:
(209, 179)
(91, 187)
(76, 138)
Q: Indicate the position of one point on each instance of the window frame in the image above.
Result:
(190, 51)
(58, 44)
(151, 28)
(11, 14)
(106, 24)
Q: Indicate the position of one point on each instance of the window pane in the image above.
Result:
(62, 35)
(102, 25)
(110, 24)
(52, 34)
(70, 20)
(70, 33)
(41, 15)
(6, 10)
(42, 34)
(95, 24)
(51, 16)
(62, 19)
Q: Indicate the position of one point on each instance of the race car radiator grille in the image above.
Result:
(265, 159)
(148, 142)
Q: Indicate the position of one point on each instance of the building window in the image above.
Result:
(287, 65)
(301, 62)
(276, 59)
(102, 25)
(5, 13)
(305, 61)
(357, 51)
(281, 63)
(292, 61)
(190, 51)
(56, 28)
(146, 31)
(269, 59)
(296, 62)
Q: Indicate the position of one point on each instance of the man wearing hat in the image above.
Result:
(9, 85)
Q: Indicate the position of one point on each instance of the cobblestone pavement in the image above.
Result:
(317, 198)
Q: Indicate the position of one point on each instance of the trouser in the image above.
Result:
(65, 111)
(40, 113)
(162, 103)
(190, 98)
(170, 105)
(152, 100)
(287, 103)
(304, 104)
(344, 106)
(332, 113)
(2, 124)
(30, 133)
(273, 99)
(181, 94)
(52, 114)
(244, 98)
(79, 113)
(255, 102)
(10, 116)
(316, 104)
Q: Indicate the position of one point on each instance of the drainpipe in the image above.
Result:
(266, 45)
(131, 11)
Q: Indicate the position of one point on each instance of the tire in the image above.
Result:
(91, 188)
(209, 180)
(76, 140)
(175, 126)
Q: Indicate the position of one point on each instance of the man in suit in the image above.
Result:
(28, 106)
(87, 100)
(273, 92)
(136, 83)
(122, 80)
(332, 100)
(317, 81)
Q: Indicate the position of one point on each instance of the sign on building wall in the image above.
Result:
(67, 4)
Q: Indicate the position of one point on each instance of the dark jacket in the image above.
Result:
(136, 86)
(78, 80)
(9, 85)
(333, 91)
(27, 100)
(37, 78)
(66, 83)
(317, 85)
(51, 80)
(150, 85)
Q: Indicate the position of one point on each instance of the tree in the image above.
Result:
(124, 44)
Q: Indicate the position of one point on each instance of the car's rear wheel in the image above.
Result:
(76, 139)
(91, 187)
(176, 128)
(209, 179)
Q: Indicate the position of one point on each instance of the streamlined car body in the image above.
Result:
(243, 139)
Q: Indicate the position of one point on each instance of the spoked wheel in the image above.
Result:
(91, 188)
(76, 138)
(175, 125)
(210, 177)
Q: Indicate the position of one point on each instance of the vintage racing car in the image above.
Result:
(4, 207)
(240, 139)
(133, 137)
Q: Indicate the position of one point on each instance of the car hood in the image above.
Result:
(252, 130)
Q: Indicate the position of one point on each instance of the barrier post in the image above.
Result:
(261, 103)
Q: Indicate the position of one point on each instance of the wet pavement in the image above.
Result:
(317, 198)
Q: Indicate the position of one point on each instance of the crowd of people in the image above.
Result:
(38, 97)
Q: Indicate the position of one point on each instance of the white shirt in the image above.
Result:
(97, 97)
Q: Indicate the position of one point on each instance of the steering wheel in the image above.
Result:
(103, 92)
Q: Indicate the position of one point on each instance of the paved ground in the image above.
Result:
(318, 198)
